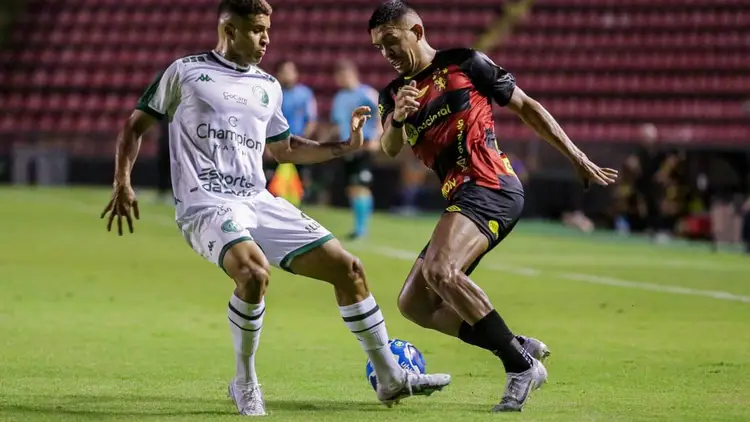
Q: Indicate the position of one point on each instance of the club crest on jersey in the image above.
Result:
(439, 80)
(261, 95)
(231, 226)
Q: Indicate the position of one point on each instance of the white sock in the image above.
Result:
(246, 321)
(365, 321)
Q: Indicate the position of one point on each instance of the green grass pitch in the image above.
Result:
(96, 327)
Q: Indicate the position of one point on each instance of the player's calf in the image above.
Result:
(473, 306)
(448, 280)
(362, 315)
(245, 263)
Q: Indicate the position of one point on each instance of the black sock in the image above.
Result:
(467, 334)
(495, 334)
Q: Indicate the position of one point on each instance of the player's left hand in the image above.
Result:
(590, 172)
(123, 202)
(359, 118)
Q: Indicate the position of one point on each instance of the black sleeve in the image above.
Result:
(385, 103)
(489, 78)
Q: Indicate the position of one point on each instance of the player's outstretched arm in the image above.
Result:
(123, 202)
(298, 150)
(538, 118)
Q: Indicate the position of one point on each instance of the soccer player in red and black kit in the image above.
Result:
(441, 105)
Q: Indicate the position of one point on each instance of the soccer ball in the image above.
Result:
(407, 356)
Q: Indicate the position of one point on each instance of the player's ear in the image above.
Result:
(229, 30)
(418, 30)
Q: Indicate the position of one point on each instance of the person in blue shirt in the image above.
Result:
(300, 109)
(352, 94)
(299, 106)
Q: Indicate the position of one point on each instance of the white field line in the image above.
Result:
(405, 255)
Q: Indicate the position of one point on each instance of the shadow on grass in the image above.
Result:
(98, 406)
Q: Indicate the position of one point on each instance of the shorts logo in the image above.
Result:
(453, 208)
(261, 95)
(231, 226)
(494, 228)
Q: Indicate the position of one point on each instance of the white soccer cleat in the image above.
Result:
(413, 385)
(248, 399)
(536, 348)
(519, 386)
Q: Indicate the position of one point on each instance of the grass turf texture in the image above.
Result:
(96, 327)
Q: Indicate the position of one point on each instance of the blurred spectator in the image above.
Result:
(413, 175)
(629, 206)
(659, 182)
(357, 166)
(301, 112)
(299, 106)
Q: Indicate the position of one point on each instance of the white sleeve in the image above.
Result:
(163, 95)
(278, 128)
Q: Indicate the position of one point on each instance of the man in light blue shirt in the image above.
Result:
(300, 110)
(299, 106)
(353, 94)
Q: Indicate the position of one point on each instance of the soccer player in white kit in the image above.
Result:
(223, 111)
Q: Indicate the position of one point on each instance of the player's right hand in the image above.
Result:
(591, 173)
(122, 204)
(406, 101)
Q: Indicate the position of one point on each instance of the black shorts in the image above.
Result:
(358, 168)
(495, 213)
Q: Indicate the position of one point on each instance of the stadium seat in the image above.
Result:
(601, 66)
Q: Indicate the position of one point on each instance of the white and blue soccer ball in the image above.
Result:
(405, 354)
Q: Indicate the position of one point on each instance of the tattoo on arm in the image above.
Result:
(337, 148)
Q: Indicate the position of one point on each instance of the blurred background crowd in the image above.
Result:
(657, 88)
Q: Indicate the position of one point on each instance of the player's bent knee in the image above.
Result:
(248, 268)
(439, 275)
(406, 306)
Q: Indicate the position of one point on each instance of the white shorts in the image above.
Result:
(280, 229)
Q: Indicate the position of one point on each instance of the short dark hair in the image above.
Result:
(281, 63)
(344, 64)
(245, 7)
(388, 11)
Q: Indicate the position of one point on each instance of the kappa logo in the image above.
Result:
(204, 78)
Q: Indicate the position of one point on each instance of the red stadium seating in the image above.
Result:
(603, 67)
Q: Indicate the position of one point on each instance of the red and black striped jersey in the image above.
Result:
(453, 131)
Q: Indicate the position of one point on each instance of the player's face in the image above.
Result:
(398, 45)
(346, 78)
(288, 74)
(249, 38)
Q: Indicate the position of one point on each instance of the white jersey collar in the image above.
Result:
(230, 64)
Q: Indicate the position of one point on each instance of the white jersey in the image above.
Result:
(220, 118)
